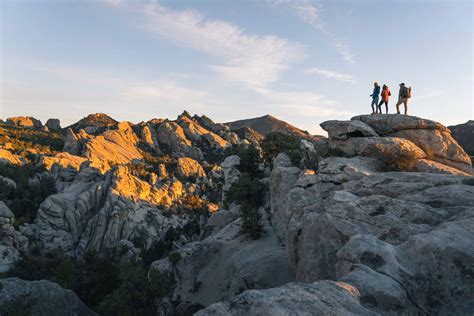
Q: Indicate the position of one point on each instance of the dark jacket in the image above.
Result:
(376, 92)
(402, 93)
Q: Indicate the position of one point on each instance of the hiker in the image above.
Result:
(385, 96)
(403, 95)
(375, 98)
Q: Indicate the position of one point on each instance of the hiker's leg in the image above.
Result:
(380, 106)
(386, 107)
(398, 105)
(406, 106)
(372, 105)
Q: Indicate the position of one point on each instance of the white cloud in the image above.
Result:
(311, 14)
(251, 59)
(331, 74)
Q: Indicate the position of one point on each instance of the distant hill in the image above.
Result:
(267, 123)
(464, 135)
(94, 123)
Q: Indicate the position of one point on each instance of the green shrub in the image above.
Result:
(275, 143)
(174, 258)
(138, 291)
(250, 159)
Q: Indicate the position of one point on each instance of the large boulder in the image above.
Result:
(384, 124)
(42, 298)
(319, 298)
(53, 124)
(347, 129)
(407, 143)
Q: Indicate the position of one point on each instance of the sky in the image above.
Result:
(304, 62)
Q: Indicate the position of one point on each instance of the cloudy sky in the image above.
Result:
(302, 61)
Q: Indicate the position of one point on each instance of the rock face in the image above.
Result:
(103, 151)
(11, 241)
(319, 298)
(41, 298)
(53, 124)
(188, 167)
(464, 135)
(172, 135)
(385, 233)
(96, 212)
(7, 157)
(406, 143)
(25, 121)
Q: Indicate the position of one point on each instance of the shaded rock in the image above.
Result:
(94, 124)
(53, 124)
(348, 129)
(319, 298)
(149, 137)
(42, 298)
(464, 135)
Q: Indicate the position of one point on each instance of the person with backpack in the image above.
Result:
(375, 98)
(385, 96)
(403, 95)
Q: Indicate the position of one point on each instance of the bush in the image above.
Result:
(248, 192)
(138, 291)
(275, 143)
(64, 273)
(250, 159)
(25, 198)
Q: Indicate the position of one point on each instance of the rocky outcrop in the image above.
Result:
(319, 298)
(42, 298)
(94, 124)
(7, 157)
(62, 160)
(188, 167)
(53, 125)
(149, 137)
(385, 233)
(172, 135)
(406, 143)
(96, 212)
(111, 148)
(196, 132)
(25, 121)
(11, 241)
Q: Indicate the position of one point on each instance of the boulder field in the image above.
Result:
(375, 220)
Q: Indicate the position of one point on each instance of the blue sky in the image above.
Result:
(302, 61)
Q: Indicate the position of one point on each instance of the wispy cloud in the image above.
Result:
(244, 57)
(311, 14)
(330, 74)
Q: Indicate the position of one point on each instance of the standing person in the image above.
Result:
(385, 96)
(403, 95)
(375, 98)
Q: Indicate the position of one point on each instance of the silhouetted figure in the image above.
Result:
(375, 98)
(403, 95)
(385, 96)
